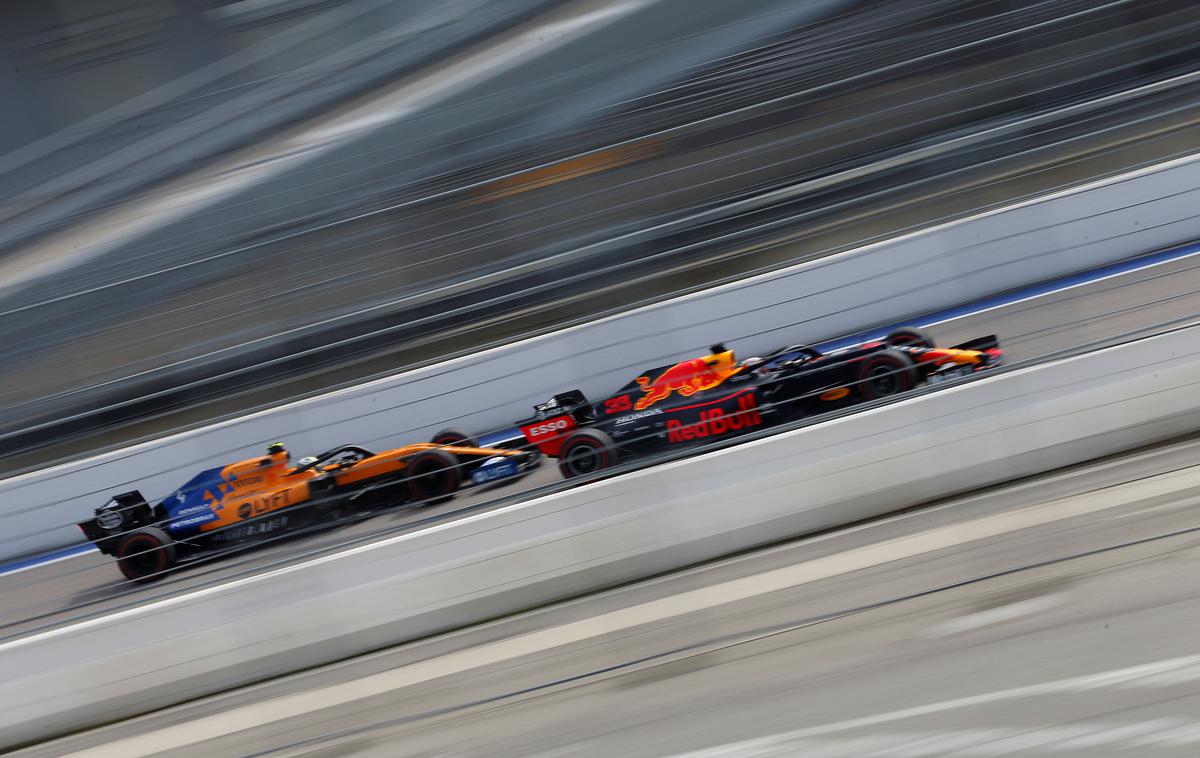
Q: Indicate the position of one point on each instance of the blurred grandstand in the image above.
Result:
(310, 193)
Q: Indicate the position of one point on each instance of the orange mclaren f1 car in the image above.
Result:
(267, 495)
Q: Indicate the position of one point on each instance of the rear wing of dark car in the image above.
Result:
(554, 419)
(990, 342)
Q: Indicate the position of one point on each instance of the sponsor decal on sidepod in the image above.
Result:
(716, 422)
(639, 415)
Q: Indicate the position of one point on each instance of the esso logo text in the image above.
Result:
(550, 427)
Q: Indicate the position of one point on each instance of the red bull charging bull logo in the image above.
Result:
(687, 378)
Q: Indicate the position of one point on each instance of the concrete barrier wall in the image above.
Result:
(885, 282)
(400, 588)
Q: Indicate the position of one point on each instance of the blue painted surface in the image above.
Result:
(23, 563)
(499, 437)
(191, 506)
(497, 469)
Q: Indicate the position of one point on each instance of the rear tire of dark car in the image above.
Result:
(454, 437)
(886, 373)
(910, 336)
(433, 477)
(146, 554)
(586, 451)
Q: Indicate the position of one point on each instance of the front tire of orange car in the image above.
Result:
(433, 477)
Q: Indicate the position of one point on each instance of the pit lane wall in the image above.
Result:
(885, 282)
(833, 473)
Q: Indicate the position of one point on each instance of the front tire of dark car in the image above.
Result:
(433, 477)
(886, 373)
(454, 437)
(586, 451)
(145, 555)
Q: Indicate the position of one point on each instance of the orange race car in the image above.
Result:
(267, 495)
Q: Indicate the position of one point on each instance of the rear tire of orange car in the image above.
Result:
(433, 477)
(586, 451)
(145, 555)
(910, 336)
(886, 373)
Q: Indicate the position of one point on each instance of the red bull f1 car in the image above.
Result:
(716, 396)
(268, 495)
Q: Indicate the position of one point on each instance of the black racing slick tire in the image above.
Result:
(586, 451)
(433, 477)
(910, 336)
(453, 437)
(145, 555)
(886, 373)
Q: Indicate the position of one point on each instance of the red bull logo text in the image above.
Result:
(686, 378)
(716, 422)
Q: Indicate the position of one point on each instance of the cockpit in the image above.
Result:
(334, 459)
(793, 355)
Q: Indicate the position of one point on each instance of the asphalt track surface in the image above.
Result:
(89, 584)
(1052, 616)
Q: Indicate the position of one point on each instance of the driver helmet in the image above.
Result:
(720, 362)
(278, 453)
(307, 460)
(752, 364)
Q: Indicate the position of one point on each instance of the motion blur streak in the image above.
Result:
(80, 246)
(365, 245)
(565, 170)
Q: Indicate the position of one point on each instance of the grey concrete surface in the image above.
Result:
(83, 586)
(1076, 637)
(1039, 663)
